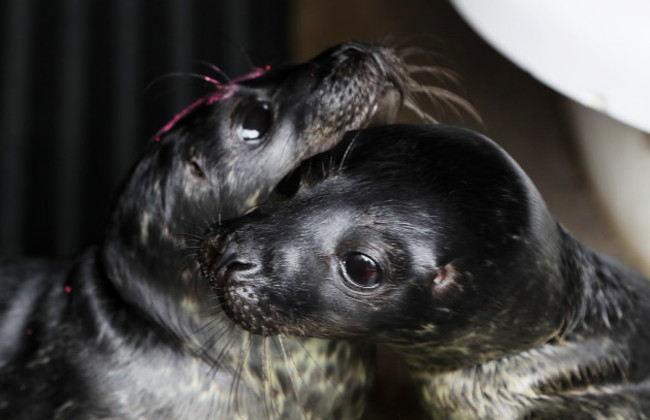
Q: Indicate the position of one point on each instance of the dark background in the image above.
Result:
(83, 84)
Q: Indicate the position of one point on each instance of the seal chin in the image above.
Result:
(241, 304)
(239, 299)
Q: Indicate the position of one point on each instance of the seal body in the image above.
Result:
(129, 330)
(432, 241)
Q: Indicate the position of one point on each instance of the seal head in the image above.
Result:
(433, 241)
(418, 229)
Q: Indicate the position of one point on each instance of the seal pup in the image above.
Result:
(127, 330)
(433, 241)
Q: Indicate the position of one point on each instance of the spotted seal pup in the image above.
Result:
(431, 240)
(128, 330)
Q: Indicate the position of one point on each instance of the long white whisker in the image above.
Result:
(410, 104)
(285, 356)
(265, 378)
(348, 150)
(217, 70)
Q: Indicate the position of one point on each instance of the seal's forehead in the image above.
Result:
(418, 175)
(445, 161)
(421, 150)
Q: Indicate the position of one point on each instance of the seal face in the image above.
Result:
(129, 330)
(431, 240)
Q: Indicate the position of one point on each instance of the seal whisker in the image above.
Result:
(266, 392)
(437, 95)
(413, 106)
(217, 70)
(414, 51)
(235, 383)
(182, 74)
(286, 146)
(207, 351)
(440, 73)
(441, 97)
(348, 149)
(194, 231)
(290, 362)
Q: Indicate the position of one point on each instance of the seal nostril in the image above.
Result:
(224, 258)
(239, 266)
(228, 261)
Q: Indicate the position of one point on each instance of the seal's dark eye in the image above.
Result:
(256, 120)
(362, 270)
(195, 168)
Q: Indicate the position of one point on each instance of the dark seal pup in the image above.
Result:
(128, 330)
(432, 240)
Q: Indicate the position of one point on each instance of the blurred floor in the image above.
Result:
(523, 116)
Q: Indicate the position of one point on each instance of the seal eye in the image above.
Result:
(195, 168)
(256, 120)
(361, 270)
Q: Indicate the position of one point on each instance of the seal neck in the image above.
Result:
(146, 257)
(597, 298)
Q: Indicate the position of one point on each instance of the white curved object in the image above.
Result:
(617, 158)
(597, 52)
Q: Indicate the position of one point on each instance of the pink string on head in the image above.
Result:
(211, 80)
(257, 72)
(222, 92)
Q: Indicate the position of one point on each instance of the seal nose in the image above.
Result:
(223, 258)
(352, 48)
(386, 60)
(337, 55)
(218, 257)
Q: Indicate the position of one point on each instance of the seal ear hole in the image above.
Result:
(195, 168)
(361, 271)
(443, 276)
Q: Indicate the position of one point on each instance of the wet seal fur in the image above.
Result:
(431, 240)
(129, 329)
